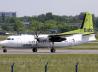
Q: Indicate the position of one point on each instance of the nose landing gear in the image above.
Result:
(4, 49)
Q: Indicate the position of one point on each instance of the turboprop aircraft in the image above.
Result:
(82, 35)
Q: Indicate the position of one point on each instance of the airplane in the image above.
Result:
(82, 35)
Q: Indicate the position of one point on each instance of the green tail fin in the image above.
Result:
(87, 24)
(86, 28)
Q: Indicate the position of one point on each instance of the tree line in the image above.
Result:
(43, 23)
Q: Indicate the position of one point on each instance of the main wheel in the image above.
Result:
(4, 50)
(52, 50)
(34, 49)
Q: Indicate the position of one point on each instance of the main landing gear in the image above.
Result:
(52, 50)
(34, 49)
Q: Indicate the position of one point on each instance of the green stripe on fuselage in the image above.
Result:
(78, 31)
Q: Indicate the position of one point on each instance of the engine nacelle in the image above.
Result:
(56, 39)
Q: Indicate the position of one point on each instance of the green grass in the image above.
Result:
(3, 37)
(56, 63)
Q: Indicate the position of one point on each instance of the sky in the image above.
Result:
(57, 7)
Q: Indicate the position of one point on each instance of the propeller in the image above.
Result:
(36, 36)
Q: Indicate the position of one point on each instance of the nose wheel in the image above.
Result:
(4, 50)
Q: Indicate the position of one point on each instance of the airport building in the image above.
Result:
(7, 14)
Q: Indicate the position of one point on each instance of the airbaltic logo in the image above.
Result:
(88, 30)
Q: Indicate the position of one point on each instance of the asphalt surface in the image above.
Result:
(46, 51)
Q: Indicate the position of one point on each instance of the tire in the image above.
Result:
(52, 50)
(4, 50)
(34, 49)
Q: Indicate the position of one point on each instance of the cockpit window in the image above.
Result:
(10, 38)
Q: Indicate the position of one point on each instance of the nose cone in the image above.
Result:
(2, 43)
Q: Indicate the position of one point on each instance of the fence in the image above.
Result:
(28, 67)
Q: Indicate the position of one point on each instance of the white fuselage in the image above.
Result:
(29, 41)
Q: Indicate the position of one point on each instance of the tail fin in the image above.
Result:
(87, 24)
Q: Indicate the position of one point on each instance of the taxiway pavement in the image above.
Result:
(46, 51)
